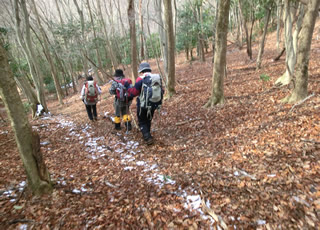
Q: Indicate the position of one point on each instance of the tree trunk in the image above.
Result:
(217, 94)
(37, 75)
(171, 48)
(108, 43)
(28, 142)
(214, 30)
(162, 36)
(133, 39)
(290, 42)
(200, 35)
(141, 32)
(261, 49)
(83, 49)
(28, 91)
(279, 13)
(300, 90)
(69, 59)
(248, 36)
(100, 80)
(48, 56)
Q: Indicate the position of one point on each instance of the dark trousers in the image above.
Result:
(144, 120)
(91, 110)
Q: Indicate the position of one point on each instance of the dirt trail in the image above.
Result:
(253, 161)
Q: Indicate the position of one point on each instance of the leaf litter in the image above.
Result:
(252, 163)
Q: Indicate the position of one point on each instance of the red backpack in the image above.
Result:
(121, 90)
(91, 92)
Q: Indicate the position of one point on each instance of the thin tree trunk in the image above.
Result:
(162, 37)
(141, 32)
(36, 73)
(100, 80)
(28, 143)
(171, 48)
(48, 56)
(83, 49)
(28, 91)
(66, 44)
(300, 90)
(200, 35)
(117, 5)
(133, 39)
(108, 43)
(261, 49)
(279, 13)
(248, 36)
(217, 94)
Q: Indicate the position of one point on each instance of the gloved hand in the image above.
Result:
(126, 85)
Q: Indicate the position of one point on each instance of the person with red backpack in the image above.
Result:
(121, 102)
(149, 88)
(89, 96)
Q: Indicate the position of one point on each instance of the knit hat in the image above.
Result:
(118, 73)
(144, 66)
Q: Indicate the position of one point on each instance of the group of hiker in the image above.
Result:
(147, 88)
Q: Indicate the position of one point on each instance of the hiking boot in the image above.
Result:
(149, 141)
(117, 126)
(128, 126)
(95, 118)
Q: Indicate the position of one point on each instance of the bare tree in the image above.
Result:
(300, 90)
(171, 48)
(291, 39)
(30, 52)
(108, 43)
(141, 31)
(162, 35)
(244, 23)
(28, 142)
(48, 55)
(83, 49)
(131, 18)
(261, 48)
(217, 94)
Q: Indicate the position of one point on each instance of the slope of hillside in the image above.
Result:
(254, 162)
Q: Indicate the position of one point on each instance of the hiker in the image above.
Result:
(89, 96)
(149, 88)
(121, 101)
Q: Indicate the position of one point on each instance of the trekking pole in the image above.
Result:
(127, 111)
(134, 121)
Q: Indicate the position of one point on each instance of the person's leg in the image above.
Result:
(150, 119)
(117, 120)
(89, 112)
(94, 111)
(144, 124)
(126, 117)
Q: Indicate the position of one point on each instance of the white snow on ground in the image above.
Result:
(127, 152)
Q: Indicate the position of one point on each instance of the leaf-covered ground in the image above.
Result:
(252, 163)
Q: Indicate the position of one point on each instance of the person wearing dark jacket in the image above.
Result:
(121, 107)
(144, 115)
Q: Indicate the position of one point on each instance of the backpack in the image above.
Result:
(91, 92)
(151, 92)
(121, 90)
